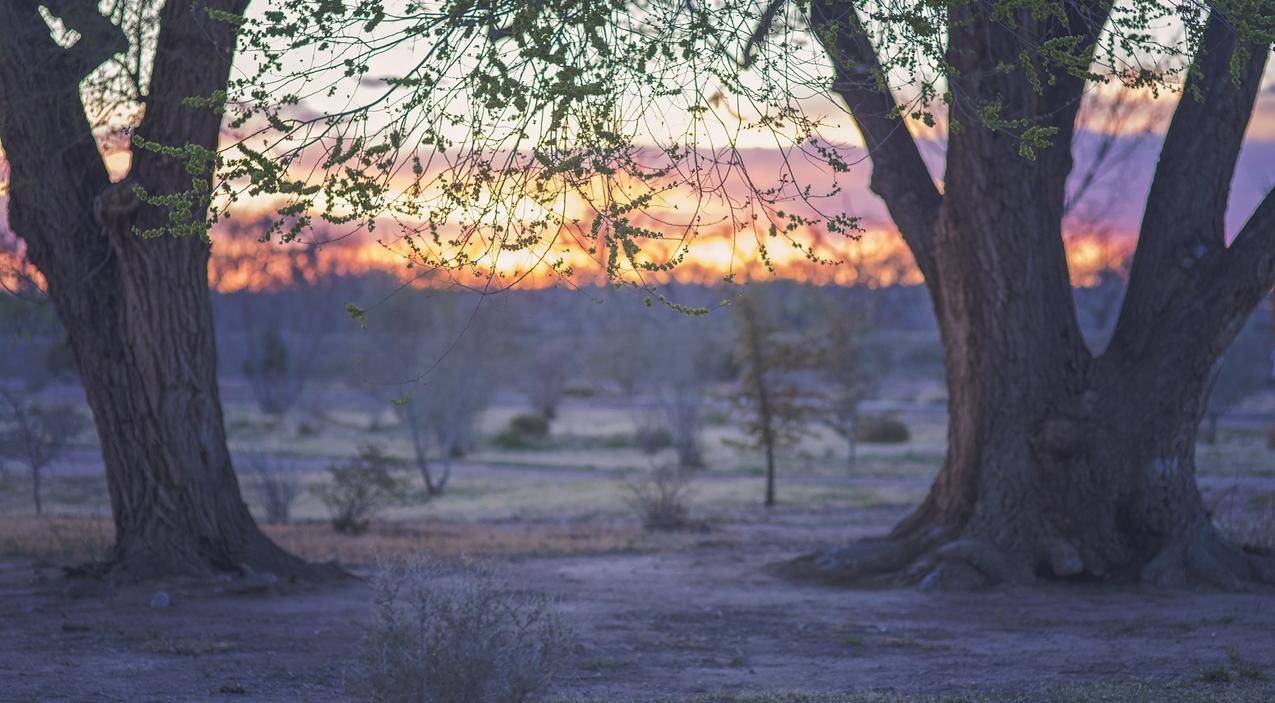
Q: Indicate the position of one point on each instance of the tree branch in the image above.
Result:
(1181, 246)
(899, 174)
(193, 55)
(1186, 209)
(100, 39)
(1250, 260)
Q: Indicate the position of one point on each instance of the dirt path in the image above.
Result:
(705, 619)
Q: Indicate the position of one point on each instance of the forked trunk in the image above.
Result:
(136, 311)
(1061, 464)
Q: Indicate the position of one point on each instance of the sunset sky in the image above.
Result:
(1101, 229)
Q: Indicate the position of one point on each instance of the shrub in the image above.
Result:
(360, 488)
(881, 429)
(456, 636)
(508, 439)
(661, 499)
(278, 486)
(530, 425)
(651, 438)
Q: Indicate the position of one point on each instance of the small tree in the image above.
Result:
(685, 357)
(35, 435)
(440, 415)
(436, 356)
(776, 404)
(284, 338)
(842, 371)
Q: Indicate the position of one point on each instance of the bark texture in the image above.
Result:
(1060, 464)
(136, 311)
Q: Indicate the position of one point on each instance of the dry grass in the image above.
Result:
(317, 542)
(56, 538)
(456, 635)
(1187, 691)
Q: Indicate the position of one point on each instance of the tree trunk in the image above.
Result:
(1061, 464)
(852, 444)
(770, 474)
(35, 490)
(137, 311)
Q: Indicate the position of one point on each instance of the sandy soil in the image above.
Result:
(705, 618)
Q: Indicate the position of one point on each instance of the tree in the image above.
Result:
(35, 435)
(688, 356)
(777, 405)
(1240, 373)
(442, 410)
(433, 359)
(1061, 463)
(842, 371)
(284, 339)
(136, 308)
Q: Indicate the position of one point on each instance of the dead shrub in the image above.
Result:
(661, 499)
(456, 635)
(360, 488)
(278, 485)
(881, 429)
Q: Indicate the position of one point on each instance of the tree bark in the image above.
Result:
(137, 311)
(1060, 464)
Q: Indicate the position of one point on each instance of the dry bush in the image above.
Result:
(882, 429)
(661, 499)
(278, 486)
(360, 488)
(462, 635)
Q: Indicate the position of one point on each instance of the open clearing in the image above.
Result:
(658, 615)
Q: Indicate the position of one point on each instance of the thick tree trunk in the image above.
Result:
(136, 311)
(1059, 464)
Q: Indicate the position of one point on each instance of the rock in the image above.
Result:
(86, 587)
(253, 582)
(161, 599)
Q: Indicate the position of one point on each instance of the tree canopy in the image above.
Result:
(619, 129)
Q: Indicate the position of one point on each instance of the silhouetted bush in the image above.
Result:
(530, 425)
(882, 429)
(652, 438)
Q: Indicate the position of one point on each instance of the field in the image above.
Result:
(692, 613)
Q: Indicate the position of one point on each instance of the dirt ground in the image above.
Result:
(671, 616)
(693, 615)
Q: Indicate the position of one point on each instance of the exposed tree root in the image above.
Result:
(1203, 558)
(264, 562)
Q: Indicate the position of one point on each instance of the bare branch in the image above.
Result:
(764, 23)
